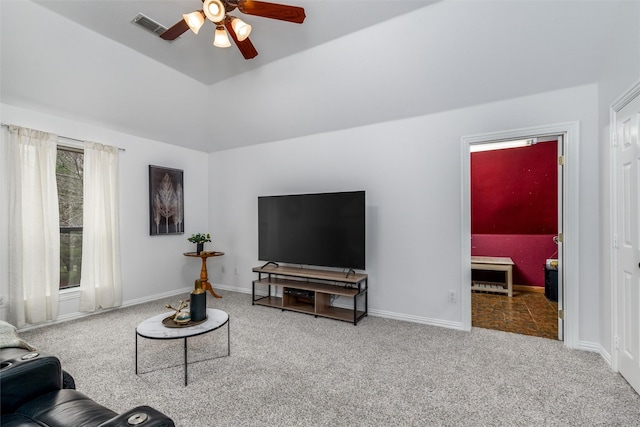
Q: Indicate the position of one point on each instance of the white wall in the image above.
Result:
(152, 266)
(448, 55)
(411, 170)
(621, 71)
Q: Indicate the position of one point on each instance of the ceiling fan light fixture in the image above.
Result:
(214, 10)
(194, 20)
(241, 28)
(221, 38)
(229, 26)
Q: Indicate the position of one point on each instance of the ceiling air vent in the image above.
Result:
(148, 24)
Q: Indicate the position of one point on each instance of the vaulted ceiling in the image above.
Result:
(351, 63)
(194, 56)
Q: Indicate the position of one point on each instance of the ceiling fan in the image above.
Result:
(216, 11)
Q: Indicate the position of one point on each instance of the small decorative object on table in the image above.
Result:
(199, 239)
(180, 316)
(185, 318)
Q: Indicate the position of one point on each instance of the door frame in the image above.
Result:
(618, 105)
(570, 225)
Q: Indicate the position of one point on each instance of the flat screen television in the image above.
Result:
(322, 229)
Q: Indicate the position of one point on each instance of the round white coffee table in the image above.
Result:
(154, 329)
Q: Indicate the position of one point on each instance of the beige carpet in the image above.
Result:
(290, 369)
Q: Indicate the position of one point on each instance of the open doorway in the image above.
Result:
(516, 215)
(568, 272)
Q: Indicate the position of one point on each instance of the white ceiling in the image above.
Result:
(351, 63)
(194, 55)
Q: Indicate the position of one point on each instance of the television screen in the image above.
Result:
(324, 229)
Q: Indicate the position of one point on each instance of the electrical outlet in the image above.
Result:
(452, 296)
(222, 269)
(3, 300)
(235, 271)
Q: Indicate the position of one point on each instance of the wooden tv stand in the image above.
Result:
(311, 291)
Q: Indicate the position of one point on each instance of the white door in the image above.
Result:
(628, 237)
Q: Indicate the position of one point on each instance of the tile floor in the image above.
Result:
(527, 313)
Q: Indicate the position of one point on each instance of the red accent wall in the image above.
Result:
(514, 207)
(528, 252)
(514, 191)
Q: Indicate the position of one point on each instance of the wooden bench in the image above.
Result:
(487, 263)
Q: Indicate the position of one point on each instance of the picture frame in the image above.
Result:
(166, 201)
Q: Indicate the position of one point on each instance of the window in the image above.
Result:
(69, 171)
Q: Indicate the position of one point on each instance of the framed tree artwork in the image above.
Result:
(166, 201)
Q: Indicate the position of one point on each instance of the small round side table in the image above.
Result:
(204, 278)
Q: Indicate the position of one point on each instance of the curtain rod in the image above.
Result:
(60, 136)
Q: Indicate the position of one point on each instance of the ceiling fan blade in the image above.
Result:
(272, 10)
(176, 31)
(246, 47)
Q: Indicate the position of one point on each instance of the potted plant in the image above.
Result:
(199, 239)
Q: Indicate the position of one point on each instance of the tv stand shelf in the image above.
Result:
(311, 291)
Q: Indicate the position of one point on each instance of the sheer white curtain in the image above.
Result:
(100, 284)
(34, 237)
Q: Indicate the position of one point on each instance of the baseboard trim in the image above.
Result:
(154, 297)
(527, 288)
(605, 355)
(417, 319)
(233, 289)
(74, 294)
(594, 348)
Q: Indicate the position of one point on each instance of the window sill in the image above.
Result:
(69, 293)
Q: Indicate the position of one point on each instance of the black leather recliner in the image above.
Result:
(33, 393)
